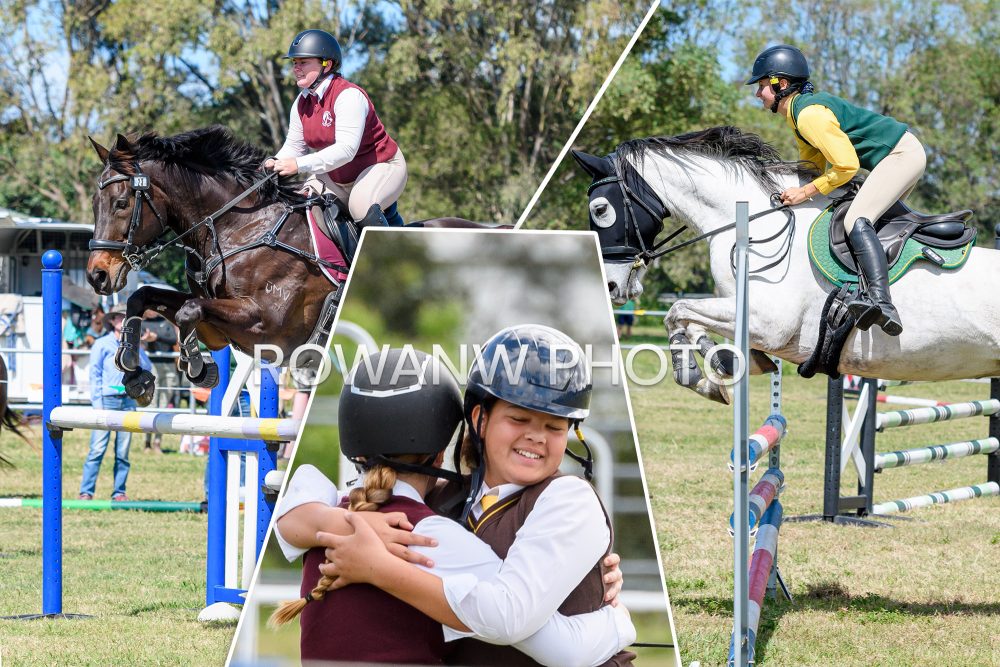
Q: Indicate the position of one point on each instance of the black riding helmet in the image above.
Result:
(399, 401)
(316, 44)
(780, 62)
(549, 373)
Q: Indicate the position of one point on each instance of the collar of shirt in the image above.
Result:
(503, 491)
(320, 89)
(788, 110)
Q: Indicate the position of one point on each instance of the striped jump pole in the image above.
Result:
(942, 413)
(765, 554)
(939, 498)
(243, 428)
(766, 438)
(761, 497)
(909, 457)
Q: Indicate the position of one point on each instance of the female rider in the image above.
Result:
(355, 158)
(831, 131)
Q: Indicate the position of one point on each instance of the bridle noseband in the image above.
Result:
(640, 256)
(131, 252)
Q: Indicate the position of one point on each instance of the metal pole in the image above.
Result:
(51, 440)
(741, 429)
(215, 558)
(267, 458)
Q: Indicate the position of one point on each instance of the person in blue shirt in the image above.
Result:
(107, 392)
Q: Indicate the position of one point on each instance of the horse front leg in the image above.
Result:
(211, 318)
(139, 383)
(688, 323)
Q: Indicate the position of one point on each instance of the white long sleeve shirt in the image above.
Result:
(481, 588)
(351, 111)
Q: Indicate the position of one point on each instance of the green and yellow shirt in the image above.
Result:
(832, 131)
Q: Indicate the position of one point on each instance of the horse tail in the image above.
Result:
(11, 421)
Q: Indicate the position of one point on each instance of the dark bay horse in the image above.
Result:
(252, 276)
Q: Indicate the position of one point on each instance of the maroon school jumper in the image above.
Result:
(319, 129)
(360, 623)
(498, 527)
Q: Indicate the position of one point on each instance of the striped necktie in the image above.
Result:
(490, 499)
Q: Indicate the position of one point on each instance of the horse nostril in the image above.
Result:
(612, 286)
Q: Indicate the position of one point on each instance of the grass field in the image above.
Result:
(925, 592)
(139, 575)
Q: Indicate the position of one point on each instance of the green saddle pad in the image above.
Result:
(838, 274)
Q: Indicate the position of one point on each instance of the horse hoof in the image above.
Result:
(207, 378)
(141, 387)
(714, 392)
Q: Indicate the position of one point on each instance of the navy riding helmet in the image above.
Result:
(316, 44)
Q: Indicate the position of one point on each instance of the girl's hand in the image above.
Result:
(793, 196)
(355, 559)
(613, 578)
(394, 529)
(285, 166)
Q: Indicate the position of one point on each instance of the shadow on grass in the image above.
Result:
(834, 598)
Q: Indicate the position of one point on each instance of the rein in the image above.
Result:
(643, 255)
(139, 257)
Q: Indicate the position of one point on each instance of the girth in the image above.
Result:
(899, 224)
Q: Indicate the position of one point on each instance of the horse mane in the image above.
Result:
(209, 152)
(730, 145)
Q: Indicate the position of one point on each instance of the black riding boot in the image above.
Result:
(374, 218)
(875, 306)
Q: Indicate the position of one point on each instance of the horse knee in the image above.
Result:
(188, 315)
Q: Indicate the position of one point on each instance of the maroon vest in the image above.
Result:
(498, 528)
(360, 623)
(319, 127)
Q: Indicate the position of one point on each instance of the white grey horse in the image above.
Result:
(951, 319)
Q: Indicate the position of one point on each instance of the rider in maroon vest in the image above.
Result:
(353, 157)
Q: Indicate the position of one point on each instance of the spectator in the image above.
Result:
(160, 337)
(626, 319)
(107, 392)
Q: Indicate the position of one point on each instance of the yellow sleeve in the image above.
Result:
(812, 155)
(819, 127)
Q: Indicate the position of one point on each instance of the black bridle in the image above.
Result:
(640, 256)
(138, 256)
(135, 255)
(628, 252)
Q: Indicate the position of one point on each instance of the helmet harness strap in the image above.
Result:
(588, 462)
(479, 472)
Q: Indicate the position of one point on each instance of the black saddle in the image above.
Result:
(897, 225)
(340, 228)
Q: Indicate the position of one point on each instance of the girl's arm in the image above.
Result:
(584, 639)
(562, 539)
(819, 127)
(309, 506)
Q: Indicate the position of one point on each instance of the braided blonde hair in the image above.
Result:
(375, 492)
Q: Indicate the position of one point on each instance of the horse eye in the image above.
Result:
(120, 204)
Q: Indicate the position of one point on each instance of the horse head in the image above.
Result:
(127, 217)
(627, 216)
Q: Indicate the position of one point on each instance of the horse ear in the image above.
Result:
(597, 167)
(121, 144)
(102, 152)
